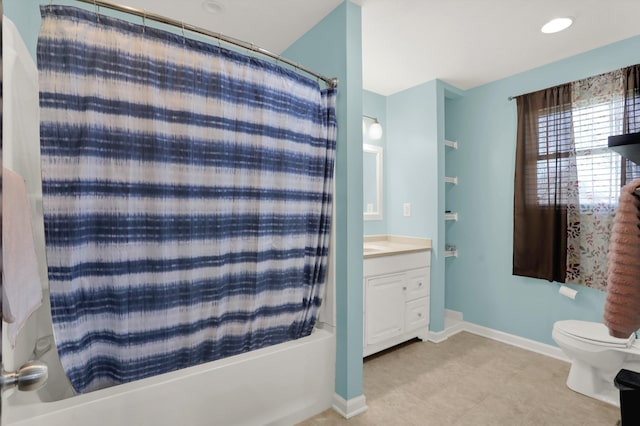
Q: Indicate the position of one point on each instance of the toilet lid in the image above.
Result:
(592, 331)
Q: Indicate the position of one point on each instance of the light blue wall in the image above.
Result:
(375, 105)
(479, 283)
(25, 14)
(415, 162)
(412, 150)
(334, 47)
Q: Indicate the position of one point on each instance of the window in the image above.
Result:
(567, 181)
(599, 168)
(554, 137)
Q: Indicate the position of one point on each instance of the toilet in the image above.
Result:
(595, 357)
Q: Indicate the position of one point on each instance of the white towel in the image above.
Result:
(21, 287)
(21, 127)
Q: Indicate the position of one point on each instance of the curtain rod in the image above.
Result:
(330, 82)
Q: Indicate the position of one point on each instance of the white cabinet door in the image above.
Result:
(385, 313)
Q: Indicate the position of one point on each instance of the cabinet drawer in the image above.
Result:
(416, 314)
(417, 284)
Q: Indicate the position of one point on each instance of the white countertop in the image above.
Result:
(385, 245)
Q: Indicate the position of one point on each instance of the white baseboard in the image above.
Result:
(441, 336)
(350, 408)
(451, 316)
(454, 324)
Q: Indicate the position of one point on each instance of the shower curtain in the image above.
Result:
(187, 197)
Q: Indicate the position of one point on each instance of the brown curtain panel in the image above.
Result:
(544, 148)
(632, 99)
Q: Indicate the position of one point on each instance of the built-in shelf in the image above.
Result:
(451, 144)
(451, 249)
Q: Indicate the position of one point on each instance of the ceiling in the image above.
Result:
(465, 43)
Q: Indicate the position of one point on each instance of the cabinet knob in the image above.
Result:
(420, 314)
(420, 284)
(404, 288)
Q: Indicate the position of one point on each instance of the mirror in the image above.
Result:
(372, 181)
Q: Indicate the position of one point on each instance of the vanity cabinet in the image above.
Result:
(396, 300)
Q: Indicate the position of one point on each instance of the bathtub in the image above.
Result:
(278, 385)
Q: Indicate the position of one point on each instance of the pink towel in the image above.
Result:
(622, 306)
(21, 288)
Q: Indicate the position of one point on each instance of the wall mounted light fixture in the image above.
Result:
(375, 129)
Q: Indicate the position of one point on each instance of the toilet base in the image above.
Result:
(593, 383)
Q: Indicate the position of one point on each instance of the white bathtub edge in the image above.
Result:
(279, 385)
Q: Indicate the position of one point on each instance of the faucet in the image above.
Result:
(31, 376)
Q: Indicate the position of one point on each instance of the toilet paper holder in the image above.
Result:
(568, 292)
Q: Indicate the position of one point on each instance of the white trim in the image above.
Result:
(454, 324)
(520, 342)
(452, 316)
(350, 408)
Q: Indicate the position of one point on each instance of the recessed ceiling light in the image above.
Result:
(555, 25)
(212, 6)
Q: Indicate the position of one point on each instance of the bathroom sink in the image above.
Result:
(390, 245)
(369, 249)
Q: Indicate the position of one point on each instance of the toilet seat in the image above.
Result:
(592, 332)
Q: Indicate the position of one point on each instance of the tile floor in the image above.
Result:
(470, 380)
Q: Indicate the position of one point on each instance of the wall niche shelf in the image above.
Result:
(451, 179)
(451, 216)
(451, 253)
(450, 250)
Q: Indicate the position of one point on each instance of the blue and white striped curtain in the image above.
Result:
(187, 197)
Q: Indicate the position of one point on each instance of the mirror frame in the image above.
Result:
(377, 150)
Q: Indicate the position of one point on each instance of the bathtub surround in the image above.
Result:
(622, 307)
(187, 205)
